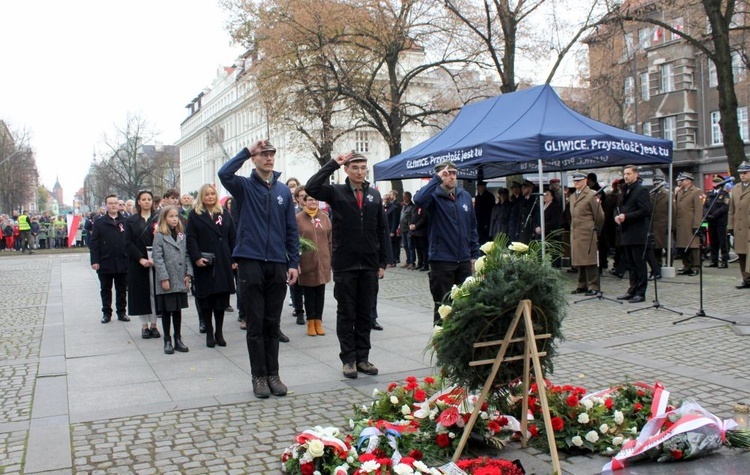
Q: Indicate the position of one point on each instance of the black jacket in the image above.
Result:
(419, 220)
(359, 235)
(636, 207)
(215, 235)
(108, 247)
(720, 210)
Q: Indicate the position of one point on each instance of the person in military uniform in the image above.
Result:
(586, 219)
(633, 219)
(528, 213)
(688, 216)
(739, 220)
(659, 226)
(716, 217)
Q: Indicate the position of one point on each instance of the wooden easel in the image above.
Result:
(530, 357)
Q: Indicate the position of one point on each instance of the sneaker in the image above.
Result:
(276, 386)
(350, 371)
(367, 368)
(260, 387)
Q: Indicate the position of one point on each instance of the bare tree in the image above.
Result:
(18, 171)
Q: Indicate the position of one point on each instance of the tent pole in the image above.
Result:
(541, 207)
(669, 218)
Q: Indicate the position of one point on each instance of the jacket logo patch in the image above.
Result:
(280, 199)
(369, 198)
(466, 207)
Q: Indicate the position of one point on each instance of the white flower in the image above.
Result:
(479, 265)
(619, 417)
(592, 436)
(583, 418)
(444, 311)
(316, 448)
(487, 247)
(634, 431)
(598, 400)
(405, 410)
(316, 472)
(370, 466)
(587, 404)
(603, 428)
(394, 400)
(403, 469)
(375, 392)
(518, 247)
(469, 281)
(576, 440)
(609, 451)
(433, 414)
(451, 435)
(455, 290)
(436, 330)
(419, 465)
(484, 416)
(616, 441)
(351, 423)
(349, 459)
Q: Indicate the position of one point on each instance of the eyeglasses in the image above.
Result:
(358, 169)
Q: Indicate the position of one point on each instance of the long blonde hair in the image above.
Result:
(200, 208)
(163, 227)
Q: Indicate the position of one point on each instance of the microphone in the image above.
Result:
(657, 188)
(726, 181)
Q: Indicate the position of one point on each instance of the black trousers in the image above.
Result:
(637, 269)
(105, 291)
(263, 291)
(297, 295)
(315, 299)
(420, 245)
(354, 292)
(443, 275)
(717, 234)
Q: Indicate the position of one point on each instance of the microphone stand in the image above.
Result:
(701, 312)
(594, 232)
(650, 243)
(531, 213)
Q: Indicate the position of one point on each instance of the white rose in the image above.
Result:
(484, 416)
(616, 441)
(603, 428)
(587, 404)
(487, 247)
(609, 451)
(479, 265)
(577, 441)
(592, 436)
(375, 392)
(455, 291)
(405, 410)
(444, 311)
(436, 330)
(351, 423)
(419, 465)
(597, 400)
(518, 247)
(583, 418)
(451, 435)
(370, 466)
(350, 459)
(469, 280)
(394, 400)
(317, 472)
(634, 431)
(619, 418)
(403, 469)
(316, 448)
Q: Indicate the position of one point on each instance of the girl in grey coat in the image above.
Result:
(173, 273)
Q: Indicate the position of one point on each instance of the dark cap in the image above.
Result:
(527, 183)
(685, 176)
(356, 157)
(514, 184)
(744, 167)
(577, 176)
(481, 183)
(443, 165)
(554, 180)
(592, 176)
(718, 179)
(268, 147)
(658, 178)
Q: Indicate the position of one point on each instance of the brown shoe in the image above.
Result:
(243, 325)
(319, 327)
(311, 328)
(350, 371)
(404, 266)
(367, 368)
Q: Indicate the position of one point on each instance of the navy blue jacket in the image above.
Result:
(266, 215)
(452, 224)
(359, 235)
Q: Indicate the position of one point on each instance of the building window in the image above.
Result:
(667, 78)
(669, 128)
(742, 120)
(631, 128)
(361, 143)
(716, 138)
(645, 92)
(713, 79)
(678, 24)
(628, 90)
(738, 67)
(646, 128)
(644, 38)
(629, 49)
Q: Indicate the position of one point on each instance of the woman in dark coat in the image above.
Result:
(210, 230)
(139, 235)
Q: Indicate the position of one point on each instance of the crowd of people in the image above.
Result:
(155, 255)
(26, 232)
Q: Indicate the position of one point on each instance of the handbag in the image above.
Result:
(209, 256)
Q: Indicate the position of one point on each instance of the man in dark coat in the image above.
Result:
(359, 255)
(528, 213)
(716, 210)
(393, 217)
(483, 204)
(109, 258)
(633, 220)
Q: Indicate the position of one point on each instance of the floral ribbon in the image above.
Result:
(372, 436)
(337, 444)
(692, 417)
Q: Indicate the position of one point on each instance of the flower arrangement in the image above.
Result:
(488, 466)
(483, 306)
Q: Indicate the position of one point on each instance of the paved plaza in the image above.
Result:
(81, 397)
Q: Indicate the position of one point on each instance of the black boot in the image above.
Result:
(723, 265)
(219, 332)
(168, 345)
(179, 346)
(210, 342)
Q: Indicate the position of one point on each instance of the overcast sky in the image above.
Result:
(73, 70)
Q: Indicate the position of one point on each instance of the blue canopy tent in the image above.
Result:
(527, 131)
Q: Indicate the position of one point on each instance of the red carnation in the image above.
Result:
(392, 386)
(420, 395)
(466, 417)
(429, 380)
(533, 430)
(493, 426)
(534, 388)
(502, 421)
(442, 440)
(408, 461)
(676, 454)
(572, 401)
(307, 468)
(411, 386)
(411, 379)
(557, 423)
(416, 454)
(641, 393)
(637, 407)
(366, 457)
(384, 461)
(485, 406)
(609, 404)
